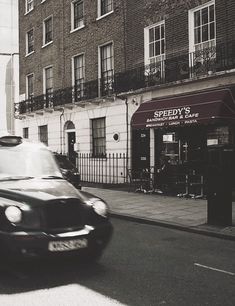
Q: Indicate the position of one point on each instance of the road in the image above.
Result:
(143, 266)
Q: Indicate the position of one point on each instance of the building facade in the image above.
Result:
(148, 79)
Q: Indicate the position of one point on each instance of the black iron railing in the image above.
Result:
(109, 169)
(205, 62)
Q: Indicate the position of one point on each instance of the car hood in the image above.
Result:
(36, 191)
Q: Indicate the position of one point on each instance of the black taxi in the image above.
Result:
(41, 213)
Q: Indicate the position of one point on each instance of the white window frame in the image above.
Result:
(99, 16)
(27, 4)
(73, 67)
(146, 42)
(27, 42)
(44, 78)
(151, 69)
(191, 24)
(44, 31)
(72, 16)
(99, 60)
(27, 84)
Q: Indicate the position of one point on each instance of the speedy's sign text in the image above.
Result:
(173, 116)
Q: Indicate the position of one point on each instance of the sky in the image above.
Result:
(8, 44)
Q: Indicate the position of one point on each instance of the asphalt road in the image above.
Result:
(144, 265)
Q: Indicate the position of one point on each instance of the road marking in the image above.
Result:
(214, 269)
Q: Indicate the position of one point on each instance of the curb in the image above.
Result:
(195, 230)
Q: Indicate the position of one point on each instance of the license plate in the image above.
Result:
(67, 245)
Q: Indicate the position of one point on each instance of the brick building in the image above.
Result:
(150, 79)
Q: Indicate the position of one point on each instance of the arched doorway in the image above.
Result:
(70, 138)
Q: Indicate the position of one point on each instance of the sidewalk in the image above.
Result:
(184, 214)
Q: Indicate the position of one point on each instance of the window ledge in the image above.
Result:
(77, 29)
(44, 46)
(28, 54)
(26, 13)
(103, 16)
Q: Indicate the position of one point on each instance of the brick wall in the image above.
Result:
(142, 13)
(65, 44)
(124, 27)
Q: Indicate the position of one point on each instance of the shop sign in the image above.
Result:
(173, 117)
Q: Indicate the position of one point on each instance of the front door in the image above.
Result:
(71, 142)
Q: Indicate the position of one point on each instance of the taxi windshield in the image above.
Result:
(27, 161)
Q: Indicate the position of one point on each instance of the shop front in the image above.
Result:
(186, 133)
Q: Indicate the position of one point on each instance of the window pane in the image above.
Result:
(151, 35)
(162, 47)
(197, 19)
(98, 137)
(205, 32)
(212, 30)
(78, 14)
(157, 33)
(212, 13)
(106, 6)
(162, 31)
(157, 48)
(205, 15)
(197, 35)
(151, 50)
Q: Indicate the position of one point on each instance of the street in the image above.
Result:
(144, 265)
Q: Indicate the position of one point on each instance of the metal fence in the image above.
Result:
(108, 169)
(183, 66)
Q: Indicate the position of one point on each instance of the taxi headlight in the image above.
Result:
(100, 208)
(13, 214)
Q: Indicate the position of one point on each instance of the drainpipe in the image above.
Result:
(61, 137)
(127, 134)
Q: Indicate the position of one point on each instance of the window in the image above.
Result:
(154, 37)
(29, 84)
(106, 69)
(48, 80)
(98, 137)
(77, 16)
(43, 134)
(29, 42)
(48, 33)
(202, 40)
(104, 7)
(29, 5)
(26, 132)
(204, 27)
(48, 86)
(79, 74)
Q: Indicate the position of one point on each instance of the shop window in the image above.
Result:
(170, 147)
(98, 137)
(218, 136)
